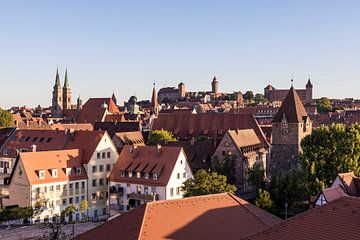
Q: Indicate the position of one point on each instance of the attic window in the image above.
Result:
(41, 139)
(27, 139)
(41, 174)
(138, 174)
(5, 152)
(155, 176)
(146, 175)
(35, 138)
(130, 174)
(68, 171)
(78, 170)
(122, 173)
(49, 139)
(54, 173)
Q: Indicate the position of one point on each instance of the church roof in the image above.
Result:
(292, 108)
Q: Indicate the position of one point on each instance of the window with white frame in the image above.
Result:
(155, 176)
(41, 174)
(146, 175)
(138, 174)
(54, 173)
(78, 170)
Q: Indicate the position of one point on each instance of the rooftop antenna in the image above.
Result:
(292, 80)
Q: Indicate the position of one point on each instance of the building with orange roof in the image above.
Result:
(99, 154)
(144, 173)
(217, 216)
(244, 149)
(52, 179)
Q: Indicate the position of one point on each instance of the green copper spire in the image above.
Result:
(66, 83)
(57, 78)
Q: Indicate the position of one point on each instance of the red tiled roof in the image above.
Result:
(218, 216)
(348, 179)
(47, 160)
(333, 193)
(292, 107)
(338, 219)
(211, 123)
(146, 160)
(98, 102)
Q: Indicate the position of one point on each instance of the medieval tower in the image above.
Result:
(290, 125)
(66, 93)
(215, 86)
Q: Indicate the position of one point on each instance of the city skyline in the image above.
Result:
(124, 47)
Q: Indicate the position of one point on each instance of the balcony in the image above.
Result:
(143, 197)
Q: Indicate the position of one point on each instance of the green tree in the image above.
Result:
(225, 166)
(329, 151)
(84, 206)
(205, 183)
(249, 96)
(68, 212)
(256, 177)
(260, 98)
(264, 201)
(324, 105)
(288, 187)
(161, 137)
(6, 119)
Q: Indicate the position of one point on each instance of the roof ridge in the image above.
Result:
(251, 212)
(143, 220)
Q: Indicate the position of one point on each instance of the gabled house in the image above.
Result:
(146, 173)
(52, 180)
(345, 184)
(243, 149)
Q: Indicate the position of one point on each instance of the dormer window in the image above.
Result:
(5, 152)
(138, 174)
(130, 174)
(42, 174)
(146, 175)
(78, 170)
(68, 171)
(122, 173)
(54, 173)
(155, 176)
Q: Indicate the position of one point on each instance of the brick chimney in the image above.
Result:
(133, 151)
(158, 150)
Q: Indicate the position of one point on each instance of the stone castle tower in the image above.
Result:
(215, 86)
(61, 99)
(57, 103)
(290, 125)
(309, 92)
(182, 91)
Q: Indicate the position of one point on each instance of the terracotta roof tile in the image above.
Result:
(161, 164)
(47, 160)
(338, 219)
(219, 216)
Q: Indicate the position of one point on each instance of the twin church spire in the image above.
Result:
(61, 95)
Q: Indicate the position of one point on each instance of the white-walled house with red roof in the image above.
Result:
(146, 173)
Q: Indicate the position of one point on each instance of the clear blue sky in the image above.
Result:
(126, 45)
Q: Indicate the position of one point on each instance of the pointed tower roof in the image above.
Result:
(57, 78)
(214, 79)
(154, 101)
(309, 84)
(292, 108)
(66, 83)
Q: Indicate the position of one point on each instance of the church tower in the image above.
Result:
(182, 91)
(154, 102)
(290, 125)
(66, 93)
(57, 105)
(215, 86)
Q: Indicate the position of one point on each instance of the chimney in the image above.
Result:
(192, 141)
(158, 150)
(33, 148)
(133, 151)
